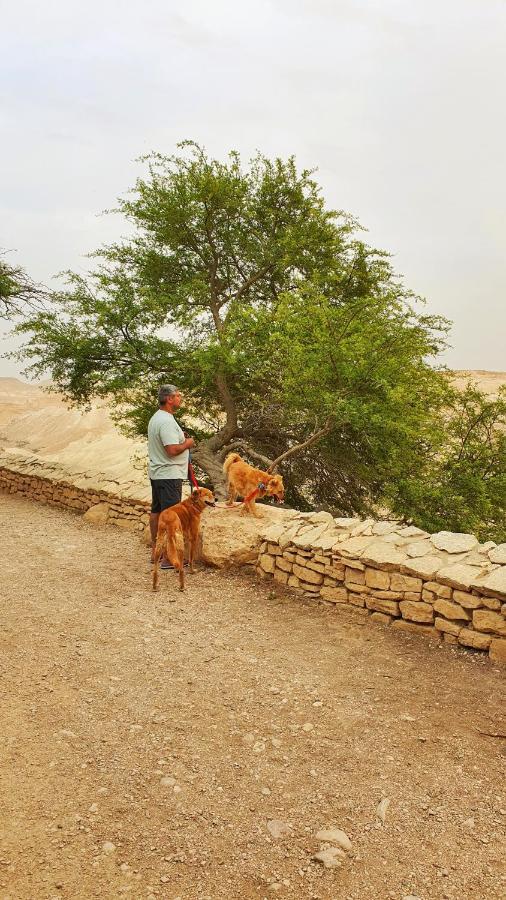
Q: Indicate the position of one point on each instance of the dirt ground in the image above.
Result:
(193, 749)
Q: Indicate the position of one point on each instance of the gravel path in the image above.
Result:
(193, 749)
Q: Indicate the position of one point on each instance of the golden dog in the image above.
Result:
(244, 481)
(174, 525)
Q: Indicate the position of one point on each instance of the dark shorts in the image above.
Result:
(165, 492)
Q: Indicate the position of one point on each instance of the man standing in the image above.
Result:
(168, 456)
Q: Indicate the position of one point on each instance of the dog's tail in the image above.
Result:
(231, 458)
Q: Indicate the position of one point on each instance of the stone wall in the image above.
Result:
(445, 586)
(99, 506)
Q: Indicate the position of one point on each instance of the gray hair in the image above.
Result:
(165, 391)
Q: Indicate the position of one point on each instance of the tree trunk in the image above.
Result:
(208, 459)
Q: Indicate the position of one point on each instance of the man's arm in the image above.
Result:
(176, 449)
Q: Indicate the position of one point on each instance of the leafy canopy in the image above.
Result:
(275, 318)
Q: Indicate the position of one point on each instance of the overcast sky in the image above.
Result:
(399, 103)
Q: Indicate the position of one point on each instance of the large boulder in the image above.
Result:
(231, 539)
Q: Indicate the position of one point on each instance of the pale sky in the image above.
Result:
(398, 103)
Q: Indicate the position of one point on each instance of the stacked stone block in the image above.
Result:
(444, 586)
(103, 506)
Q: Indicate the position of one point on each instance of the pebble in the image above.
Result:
(258, 747)
(278, 828)
(382, 807)
(93, 808)
(167, 781)
(334, 835)
(108, 847)
(330, 858)
(265, 791)
(276, 742)
(307, 726)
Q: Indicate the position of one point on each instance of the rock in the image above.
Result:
(98, 514)
(489, 621)
(460, 576)
(231, 539)
(354, 576)
(355, 546)
(267, 563)
(167, 781)
(330, 858)
(416, 611)
(334, 836)
(468, 601)
(375, 578)
(418, 548)
(415, 628)
(108, 847)
(391, 607)
(454, 542)
(451, 610)
(498, 651)
(307, 539)
(440, 590)
(498, 554)
(280, 576)
(277, 828)
(469, 638)
(405, 583)
(412, 531)
(322, 516)
(494, 583)
(344, 523)
(334, 594)
(449, 638)
(381, 810)
(274, 532)
(306, 574)
(307, 726)
(326, 541)
(491, 603)
(381, 618)
(383, 556)
(384, 527)
(284, 564)
(448, 627)
(425, 567)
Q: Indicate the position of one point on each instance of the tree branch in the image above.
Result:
(243, 445)
(298, 447)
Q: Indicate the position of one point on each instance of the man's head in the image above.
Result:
(169, 397)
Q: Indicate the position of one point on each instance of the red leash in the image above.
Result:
(192, 478)
(261, 487)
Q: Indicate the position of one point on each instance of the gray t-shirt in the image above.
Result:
(163, 430)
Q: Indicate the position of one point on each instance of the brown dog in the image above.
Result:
(250, 483)
(174, 525)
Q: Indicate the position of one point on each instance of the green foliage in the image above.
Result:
(461, 482)
(274, 317)
(17, 292)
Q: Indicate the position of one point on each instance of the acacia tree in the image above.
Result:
(284, 330)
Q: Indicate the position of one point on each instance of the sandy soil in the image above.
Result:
(147, 747)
